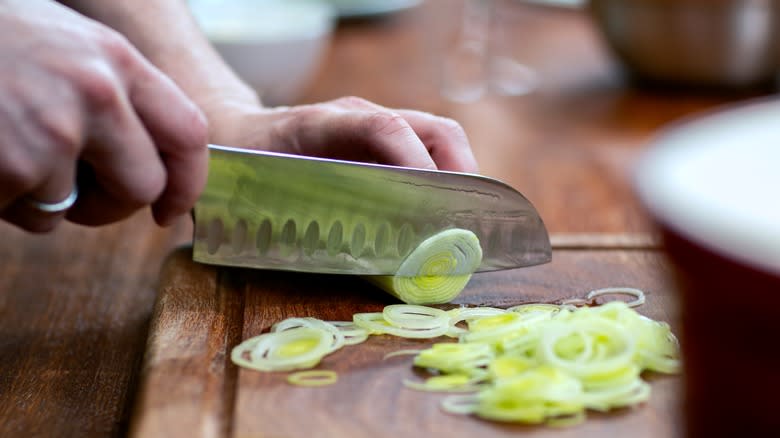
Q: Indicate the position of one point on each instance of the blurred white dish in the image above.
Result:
(370, 8)
(274, 45)
(715, 181)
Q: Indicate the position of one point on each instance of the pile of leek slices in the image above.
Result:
(532, 363)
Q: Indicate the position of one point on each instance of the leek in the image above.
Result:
(313, 378)
(436, 271)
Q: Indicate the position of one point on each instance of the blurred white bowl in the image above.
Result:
(716, 180)
(274, 45)
(712, 185)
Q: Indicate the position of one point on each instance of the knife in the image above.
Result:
(276, 211)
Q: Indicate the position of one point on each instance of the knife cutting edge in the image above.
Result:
(276, 211)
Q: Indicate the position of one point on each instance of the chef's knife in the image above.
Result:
(276, 211)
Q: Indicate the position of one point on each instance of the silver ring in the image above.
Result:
(55, 207)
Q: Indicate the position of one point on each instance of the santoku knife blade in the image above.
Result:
(276, 211)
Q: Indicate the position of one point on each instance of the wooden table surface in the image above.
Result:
(76, 306)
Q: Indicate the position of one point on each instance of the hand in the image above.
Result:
(348, 128)
(75, 94)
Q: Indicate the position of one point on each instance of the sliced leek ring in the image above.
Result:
(455, 358)
(339, 339)
(375, 323)
(353, 334)
(638, 294)
(445, 383)
(313, 378)
(467, 314)
(296, 348)
(588, 349)
(414, 316)
(460, 404)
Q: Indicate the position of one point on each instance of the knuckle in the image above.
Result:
(64, 131)
(100, 80)
(118, 49)
(141, 186)
(286, 132)
(305, 112)
(197, 130)
(301, 121)
(388, 123)
(354, 101)
(148, 190)
(22, 174)
(452, 127)
(100, 88)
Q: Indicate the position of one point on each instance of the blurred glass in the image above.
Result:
(480, 60)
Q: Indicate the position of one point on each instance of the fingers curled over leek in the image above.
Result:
(436, 271)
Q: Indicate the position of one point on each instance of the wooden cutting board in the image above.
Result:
(189, 387)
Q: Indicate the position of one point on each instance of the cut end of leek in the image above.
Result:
(437, 270)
